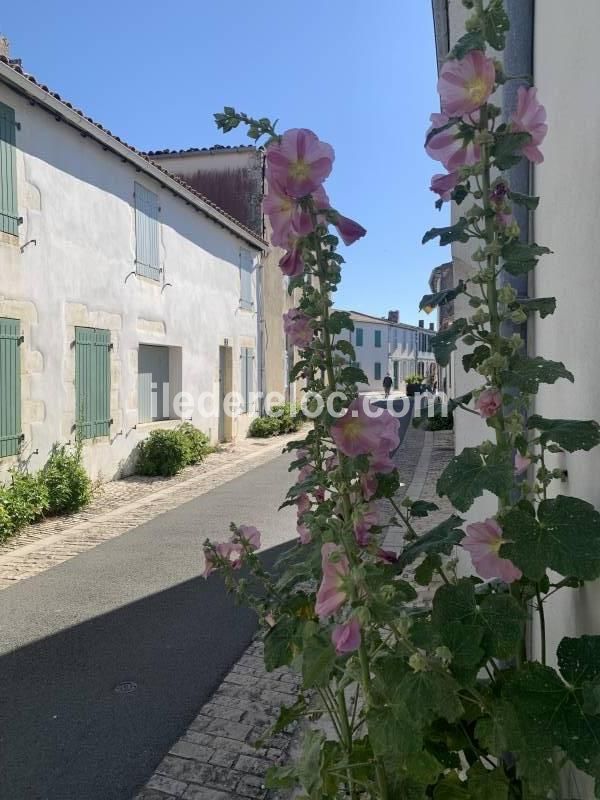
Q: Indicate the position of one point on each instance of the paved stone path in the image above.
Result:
(120, 506)
(215, 759)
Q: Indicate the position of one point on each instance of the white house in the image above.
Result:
(388, 346)
(120, 288)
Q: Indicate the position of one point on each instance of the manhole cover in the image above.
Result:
(126, 687)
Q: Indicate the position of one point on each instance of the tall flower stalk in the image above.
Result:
(440, 700)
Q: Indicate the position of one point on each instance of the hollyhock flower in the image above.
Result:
(348, 229)
(465, 84)
(387, 556)
(363, 524)
(346, 638)
(488, 402)
(332, 462)
(297, 327)
(522, 464)
(530, 117)
(303, 504)
(504, 218)
(444, 185)
(368, 484)
(231, 552)
(499, 193)
(381, 462)
(250, 535)
(483, 541)
(292, 263)
(287, 219)
(449, 146)
(305, 473)
(331, 595)
(358, 433)
(299, 163)
(209, 563)
(304, 533)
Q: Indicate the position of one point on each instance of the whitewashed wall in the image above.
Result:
(77, 204)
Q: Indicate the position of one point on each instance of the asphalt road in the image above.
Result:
(134, 610)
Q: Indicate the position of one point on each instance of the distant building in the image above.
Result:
(442, 278)
(384, 345)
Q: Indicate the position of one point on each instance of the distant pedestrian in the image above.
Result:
(387, 384)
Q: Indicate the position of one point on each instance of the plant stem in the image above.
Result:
(542, 616)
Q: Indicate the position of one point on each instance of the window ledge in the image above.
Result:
(160, 423)
(10, 239)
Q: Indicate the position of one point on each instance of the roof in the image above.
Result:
(358, 315)
(12, 74)
(216, 149)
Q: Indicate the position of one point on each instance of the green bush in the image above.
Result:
(22, 502)
(197, 443)
(284, 418)
(167, 452)
(68, 484)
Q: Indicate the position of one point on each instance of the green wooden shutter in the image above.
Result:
(359, 337)
(246, 268)
(92, 382)
(377, 338)
(377, 371)
(10, 387)
(9, 218)
(147, 258)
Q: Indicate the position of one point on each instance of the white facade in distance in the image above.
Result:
(384, 346)
(72, 265)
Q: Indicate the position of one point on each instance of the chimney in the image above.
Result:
(431, 326)
(421, 323)
(394, 316)
(4, 46)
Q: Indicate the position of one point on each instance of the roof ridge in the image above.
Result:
(215, 148)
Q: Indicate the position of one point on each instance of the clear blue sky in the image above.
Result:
(360, 73)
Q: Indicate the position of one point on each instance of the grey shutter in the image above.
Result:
(146, 233)
(244, 377)
(9, 220)
(246, 268)
(250, 376)
(153, 374)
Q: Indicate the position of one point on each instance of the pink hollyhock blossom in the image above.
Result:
(331, 595)
(346, 638)
(299, 163)
(444, 185)
(297, 327)
(303, 504)
(483, 541)
(381, 462)
(368, 484)
(332, 462)
(305, 473)
(292, 263)
(348, 229)
(488, 402)
(357, 433)
(530, 117)
(231, 552)
(209, 564)
(387, 556)
(449, 147)
(521, 464)
(363, 524)
(504, 219)
(465, 84)
(286, 217)
(304, 533)
(250, 535)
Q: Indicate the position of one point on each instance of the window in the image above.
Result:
(9, 220)
(377, 371)
(147, 262)
(10, 387)
(377, 338)
(92, 382)
(359, 337)
(246, 269)
(153, 383)
(246, 377)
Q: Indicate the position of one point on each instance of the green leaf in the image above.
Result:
(520, 258)
(279, 640)
(496, 24)
(428, 696)
(565, 538)
(346, 348)
(339, 321)
(394, 735)
(579, 659)
(487, 784)
(507, 149)
(470, 41)
(424, 572)
(431, 301)
(309, 764)
(440, 539)
(451, 788)
(318, 656)
(543, 305)
(469, 474)
(350, 375)
(449, 234)
(570, 434)
(478, 356)
(525, 200)
(280, 778)
(444, 342)
(526, 374)
(288, 715)
(504, 620)
(421, 508)
(464, 642)
(298, 367)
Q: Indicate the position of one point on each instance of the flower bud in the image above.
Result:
(507, 294)
(418, 662)
(363, 615)
(444, 654)
(518, 316)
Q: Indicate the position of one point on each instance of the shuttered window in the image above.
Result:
(153, 383)
(377, 338)
(247, 376)
(146, 233)
(359, 337)
(92, 382)
(10, 387)
(246, 269)
(377, 371)
(9, 219)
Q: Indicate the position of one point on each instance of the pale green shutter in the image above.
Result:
(146, 233)
(377, 338)
(92, 382)
(359, 337)
(10, 387)
(246, 268)
(377, 370)
(9, 218)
